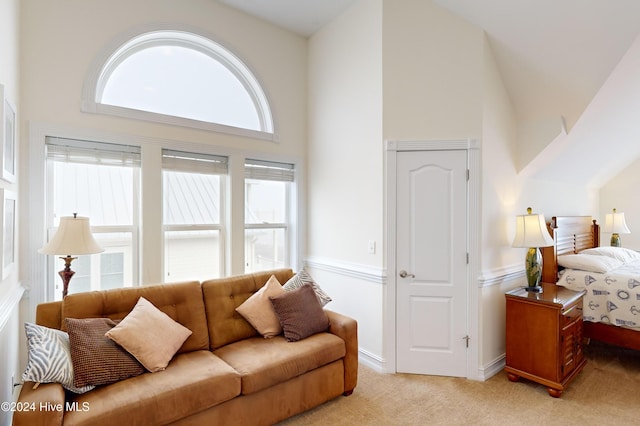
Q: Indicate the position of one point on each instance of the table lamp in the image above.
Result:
(532, 233)
(614, 222)
(73, 237)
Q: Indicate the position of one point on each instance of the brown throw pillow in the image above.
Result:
(150, 335)
(98, 360)
(300, 313)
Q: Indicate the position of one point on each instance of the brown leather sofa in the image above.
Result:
(225, 373)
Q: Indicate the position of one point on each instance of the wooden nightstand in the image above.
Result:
(544, 336)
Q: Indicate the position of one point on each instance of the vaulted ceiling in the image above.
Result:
(571, 68)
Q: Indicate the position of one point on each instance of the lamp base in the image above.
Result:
(66, 274)
(615, 240)
(533, 270)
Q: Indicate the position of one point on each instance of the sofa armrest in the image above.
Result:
(43, 406)
(347, 329)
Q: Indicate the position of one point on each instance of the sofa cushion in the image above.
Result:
(221, 298)
(192, 382)
(150, 335)
(181, 301)
(98, 360)
(300, 313)
(267, 362)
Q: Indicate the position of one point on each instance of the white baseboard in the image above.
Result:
(371, 360)
(493, 368)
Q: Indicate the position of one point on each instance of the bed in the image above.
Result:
(610, 276)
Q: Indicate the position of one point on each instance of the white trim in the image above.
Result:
(353, 270)
(493, 368)
(9, 303)
(371, 360)
(472, 146)
(500, 275)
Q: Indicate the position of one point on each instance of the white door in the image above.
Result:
(431, 249)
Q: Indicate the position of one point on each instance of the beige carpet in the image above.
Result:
(606, 392)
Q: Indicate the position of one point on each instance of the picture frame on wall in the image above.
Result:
(8, 135)
(8, 214)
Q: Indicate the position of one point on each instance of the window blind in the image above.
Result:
(268, 170)
(194, 162)
(88, 152)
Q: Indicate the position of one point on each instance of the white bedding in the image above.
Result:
(612, 297)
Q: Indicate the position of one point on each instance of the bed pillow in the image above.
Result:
(300, 313)
(302, 278)
(589, 262)
(258, 310)
(98, 360)
(623, 254)
(150, 335)
(49, 358)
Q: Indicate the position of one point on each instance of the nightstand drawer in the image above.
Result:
(571, 314)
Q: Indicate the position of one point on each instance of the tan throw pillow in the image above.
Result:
(258, 310)
(98, 360)
(150, 335)
(300, 313)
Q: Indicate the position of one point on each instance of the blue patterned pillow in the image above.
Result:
(49, 358)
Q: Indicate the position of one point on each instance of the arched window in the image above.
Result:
(182, 78)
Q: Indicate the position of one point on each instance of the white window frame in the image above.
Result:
(132, 229)
(35, 267)
(162, 35)
(220, 227)
(285, 174)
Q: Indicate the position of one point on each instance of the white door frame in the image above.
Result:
(472, 147)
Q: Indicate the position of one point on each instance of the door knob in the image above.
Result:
(405, 274)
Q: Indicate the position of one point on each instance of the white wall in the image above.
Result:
(60, 43)
(507, 193)
(439, 81)
(10, 289)
(345, 200)
(621, 193)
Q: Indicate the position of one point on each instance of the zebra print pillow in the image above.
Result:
(302, 278)
(49, 358)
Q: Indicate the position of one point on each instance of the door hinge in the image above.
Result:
(468, 174)
(467, 258)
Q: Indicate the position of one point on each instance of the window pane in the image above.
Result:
(265, 201)
(181, 82)
(111, 270)
(81, 280)
(264, 249)
(191, 198)
(103, 193)
(191, 255)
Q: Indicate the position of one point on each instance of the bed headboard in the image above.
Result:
(571, 234)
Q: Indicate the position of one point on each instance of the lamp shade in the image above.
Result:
(531, 231)
(614, 223)
(73, 237)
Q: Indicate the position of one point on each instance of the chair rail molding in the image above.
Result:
(353, 270)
